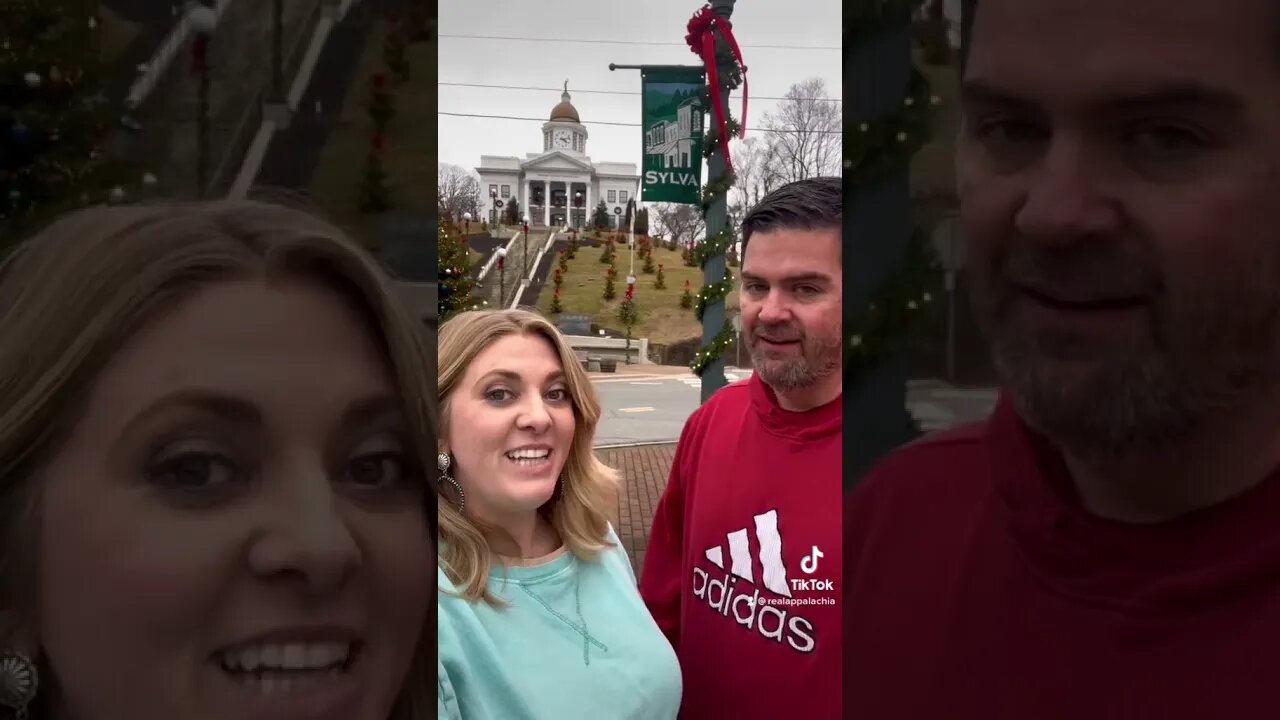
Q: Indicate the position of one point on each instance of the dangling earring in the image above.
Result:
(19, 681)
(444, 461)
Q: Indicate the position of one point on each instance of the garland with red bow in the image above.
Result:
(873, 150)
(703, 28)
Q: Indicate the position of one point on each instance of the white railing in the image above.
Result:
(257, 150)
(164, 57)
(493, 258)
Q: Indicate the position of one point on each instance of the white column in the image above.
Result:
(528, 193)
(546, 203)
(589, 207)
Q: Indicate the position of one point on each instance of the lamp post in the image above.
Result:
(203, 21)
(577, 197)
(502, 278)
(526, 245)
(466, 218)
(631, 298)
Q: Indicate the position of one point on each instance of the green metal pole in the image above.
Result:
(878, 225)
(717, 215)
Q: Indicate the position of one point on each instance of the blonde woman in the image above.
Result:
(539, 612)
(214, 426)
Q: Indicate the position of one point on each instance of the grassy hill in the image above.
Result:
(662, 320)
(411, 141)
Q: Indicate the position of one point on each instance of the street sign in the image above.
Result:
(671, 118)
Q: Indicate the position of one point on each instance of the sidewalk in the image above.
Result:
(649, 371)
(644, 472)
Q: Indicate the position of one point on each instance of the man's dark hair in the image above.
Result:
(813, 204)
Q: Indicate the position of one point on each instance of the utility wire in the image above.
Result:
(622, 124)
(631, 42)
(606, 92)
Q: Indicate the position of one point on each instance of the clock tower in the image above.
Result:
(564, 131)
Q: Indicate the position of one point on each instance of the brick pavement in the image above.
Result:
(644, 471)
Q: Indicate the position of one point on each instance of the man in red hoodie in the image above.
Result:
(1107, 544)
(744, 555)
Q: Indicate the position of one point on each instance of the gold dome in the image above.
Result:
(565, 110)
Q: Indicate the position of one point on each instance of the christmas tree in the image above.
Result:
(421, 21)
(394, 50)
(609, 291)
(54, 118)
(600, 218)
(453, 275)
(382, 106)
(374, 195)
(628, 313)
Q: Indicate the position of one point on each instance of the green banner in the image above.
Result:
(671, 102)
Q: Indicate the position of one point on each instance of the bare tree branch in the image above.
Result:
(458, 192)
(802, 136)
(678, 223)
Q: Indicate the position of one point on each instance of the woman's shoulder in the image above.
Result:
(443, 582)
(614, 558)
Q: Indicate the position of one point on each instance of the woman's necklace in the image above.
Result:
(579, 627)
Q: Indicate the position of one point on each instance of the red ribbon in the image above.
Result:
(701, 38)
(200, 53)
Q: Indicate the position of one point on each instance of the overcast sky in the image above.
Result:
(806, 25)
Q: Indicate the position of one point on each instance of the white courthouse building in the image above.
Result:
(560, 185)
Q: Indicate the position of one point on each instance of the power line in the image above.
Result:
(606, 92)
(632, 42)
(620, 124)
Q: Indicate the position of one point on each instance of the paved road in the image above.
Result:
(937, 406)
(641, 409)
(647, 409)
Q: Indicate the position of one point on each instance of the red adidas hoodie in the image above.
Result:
(743, 565)
(976, 586)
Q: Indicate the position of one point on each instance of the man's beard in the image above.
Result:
(1202, 353)
(819, 357)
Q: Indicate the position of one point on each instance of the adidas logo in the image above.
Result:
(724, 595)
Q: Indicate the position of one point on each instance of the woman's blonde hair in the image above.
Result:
(581, 512)
(75, 293)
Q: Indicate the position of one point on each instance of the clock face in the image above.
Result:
(563, 139)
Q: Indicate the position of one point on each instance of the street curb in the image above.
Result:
(624, 446)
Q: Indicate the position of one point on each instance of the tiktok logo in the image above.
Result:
(809, 563)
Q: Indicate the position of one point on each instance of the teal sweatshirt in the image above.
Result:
(533, 659)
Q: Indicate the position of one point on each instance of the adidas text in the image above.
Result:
(749, 612)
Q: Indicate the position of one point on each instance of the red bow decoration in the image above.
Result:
(199, 54)
(701, 38)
